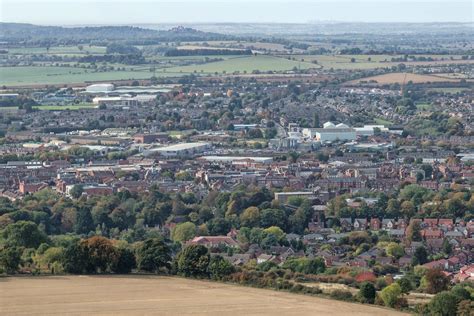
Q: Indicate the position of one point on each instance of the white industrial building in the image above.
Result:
(9, 96)
(124, 100)
(368, 130)
(236, 159)
(331, 132)
(100, 88)
(180, 150)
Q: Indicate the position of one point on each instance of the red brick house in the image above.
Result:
(25, 188)
(375, 224)
(430, 222)
(431, 233)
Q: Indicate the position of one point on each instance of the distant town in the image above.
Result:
(332, 168)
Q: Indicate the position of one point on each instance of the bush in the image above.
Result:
(305, 265)
(401, 303)
(367, 293)
(220, 267)
(443, 304)
(297, 288)
(380, 283)
(405, 285)
(125, 262)
(391, 294)
(266, 266)
(283, 284)
(378, 300)
(313, 290)
(342, 295)
(465, 308)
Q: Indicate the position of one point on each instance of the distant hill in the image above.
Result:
(15, 32)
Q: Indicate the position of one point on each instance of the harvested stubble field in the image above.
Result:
(401, 78)
(153, 295)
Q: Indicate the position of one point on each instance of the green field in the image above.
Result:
(58, 50)
(362, 61)
(382, 121)
(244, 64)
(31, 75)
(423, 106)
(46, 73)
(449, 90)
(66, 107)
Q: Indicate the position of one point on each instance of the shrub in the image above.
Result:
(365, 277)
(378, 300)
(342, 295)
(390, 294)
(297, 288)
(405, 285)
(220, 267)
(465, 308)
(305, 265)
(367, 292)
(283, 284)
(313, 290)
(443, 304)
(401, 303)
(380, 283)
(266, 266)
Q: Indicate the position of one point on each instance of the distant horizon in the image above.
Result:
(128, 12)
(178, 23)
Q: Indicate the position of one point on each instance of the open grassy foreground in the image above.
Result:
(152, 295)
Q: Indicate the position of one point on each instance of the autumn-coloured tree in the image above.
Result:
(435, 281)
(101, 253)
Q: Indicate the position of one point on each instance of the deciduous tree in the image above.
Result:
(24, 234)
(220, 267)
(153, 255)
(193, 261)
(183, 232)
(435, 281)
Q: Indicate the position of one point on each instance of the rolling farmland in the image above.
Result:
(244, 64)
(63, 72)
(30, 75)
(401, 78)
(352, 62)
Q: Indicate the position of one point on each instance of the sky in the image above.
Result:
(82, 12)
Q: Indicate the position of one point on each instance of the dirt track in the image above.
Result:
(150, 295)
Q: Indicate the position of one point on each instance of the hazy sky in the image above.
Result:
(54, 12)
